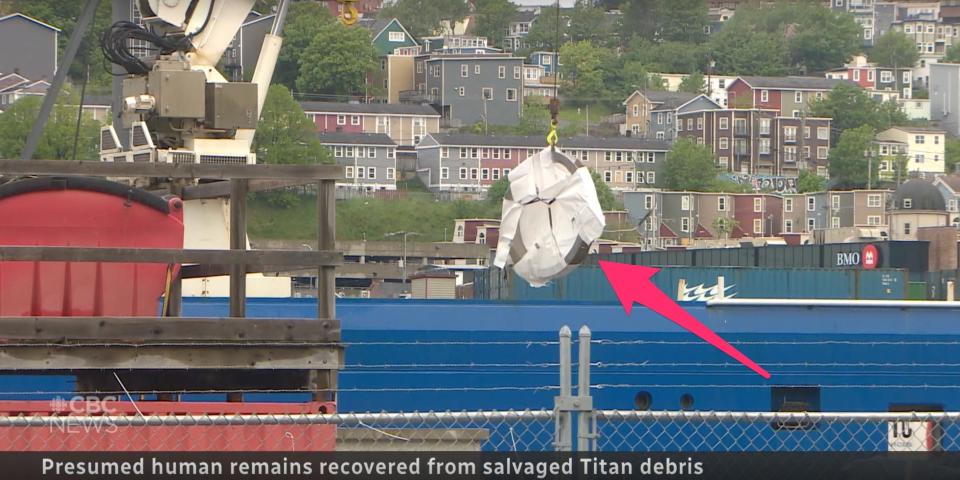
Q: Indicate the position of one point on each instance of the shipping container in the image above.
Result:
(588, 283)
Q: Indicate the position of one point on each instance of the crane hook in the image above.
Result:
(348, 13)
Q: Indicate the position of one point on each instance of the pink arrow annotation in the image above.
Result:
(632, 284)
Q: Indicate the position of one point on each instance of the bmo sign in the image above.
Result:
(868, 258)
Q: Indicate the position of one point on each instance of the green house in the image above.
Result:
(388, 35)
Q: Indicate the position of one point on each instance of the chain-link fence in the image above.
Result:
(526, 431)
(776, 432)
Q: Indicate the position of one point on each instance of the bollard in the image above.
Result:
(721, 286)
(950, 291)
(564, 424)
(586, 421)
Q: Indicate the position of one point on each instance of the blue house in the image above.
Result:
(545, 60)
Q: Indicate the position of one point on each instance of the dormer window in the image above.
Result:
(907, 203)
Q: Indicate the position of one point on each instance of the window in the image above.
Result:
(628, 177)
(873, 220)
(338, 151)
(648, 202)
(806, 153)
(355, 120)
(906, 228)
(501, 72)
(856, 75)
(764, 146)
(484, 174)
(725, 143)
(511, 94)
(636, 110)
(474, 174)
(798, 97)
(700, 123)
(721, 204)
(822, 153)
(348, 151)
(811, 204)
(419, 67)
(462, 91)
(464, 70)
(383, 64)
(757, 205)
(811, 224)
(487, 93)
(506, 171)
(463, 173)
(495, 174)
(757, 226)
(685, 202)
(806, 132)
(651, 177)
(689, 124)
(952, 205)
(516, 73)
(823, 133)
(919, 139)
(790, 154)
(835, 202)
(788, 226)
(444, 173)
(764, 126)
(918, 158)
(764, 96)
(873, 200)
(506, 153)
(907, 203)
(724, 123)
(936, 139)
(788, 205)
(607, 176)
(361, 172)
(396, 36)
(685, 224)
(361, 152)
(789, 134)
(474, 152)
(886, 76)
(341, 119)
(659, 119)
(869, 72)
(349, 172)
(680, 125)
(660, 135)
(476, 69)
(445, 152)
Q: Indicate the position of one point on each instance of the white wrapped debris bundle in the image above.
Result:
(551, 216)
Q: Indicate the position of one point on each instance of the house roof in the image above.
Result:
(346, 138)
(40, 86)
(919, 129)
(792, 83)
(524, 17)
(537, 141)
(31, 19)
(669, 100)
(952, 181)
(11, 80)
(702, 232)
(666, 232)
(374, 108)
(378, 25)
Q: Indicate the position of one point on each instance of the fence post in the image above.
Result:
(563, 416)
(721, 287)
(586, 419)
(950, 292)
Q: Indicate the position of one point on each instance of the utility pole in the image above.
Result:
(405, 234)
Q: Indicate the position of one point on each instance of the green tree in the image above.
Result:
(426, 17)
(285, 134)
(56, 142)
(608, 201)
(803, 36)
(666, 57)
(848, 158)
(953, 54)
(952, 154)
(693, 83)
(689, 166)
(665, 20)
(337, 60)
(583, 81)
(808, 182)
(588, 22)
(894, 49)
(304, 21)
(725, 226)
(543, 32)
(493, 19)
(851, 107)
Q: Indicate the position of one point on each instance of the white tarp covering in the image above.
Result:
(551, 216)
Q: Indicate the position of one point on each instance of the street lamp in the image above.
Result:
(405, 235)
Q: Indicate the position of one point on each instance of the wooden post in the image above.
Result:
(238, 241)
(175, 302)
(326, 240)
(681, 288)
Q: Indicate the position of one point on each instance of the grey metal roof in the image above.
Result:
(668, 100)
(922, 194)
(11, 80)
(793, 83)
(524, 17)
(346, 138)
(538, 141)
(375, 25)
(383, 108)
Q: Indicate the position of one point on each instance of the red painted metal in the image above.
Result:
(94, 216)
(97, 432)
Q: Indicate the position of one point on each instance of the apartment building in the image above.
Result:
(881, 82)
(466, 162)
(923, 147)
(806, 212)
(790, 96)
(369, 159)
(404, 124)
(471, 89)
(652, 113)
(756, 141)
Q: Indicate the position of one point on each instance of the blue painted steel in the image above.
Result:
(496, 355)
(588, 283)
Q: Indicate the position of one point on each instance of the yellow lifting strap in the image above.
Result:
(552, 136)
(348, 13)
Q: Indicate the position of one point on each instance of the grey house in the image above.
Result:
(472, 89)
(945, 97)
(667, 108)
(369, 159)
(241, 56)
(29, 47)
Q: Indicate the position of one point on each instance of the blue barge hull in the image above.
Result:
(405, 355)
